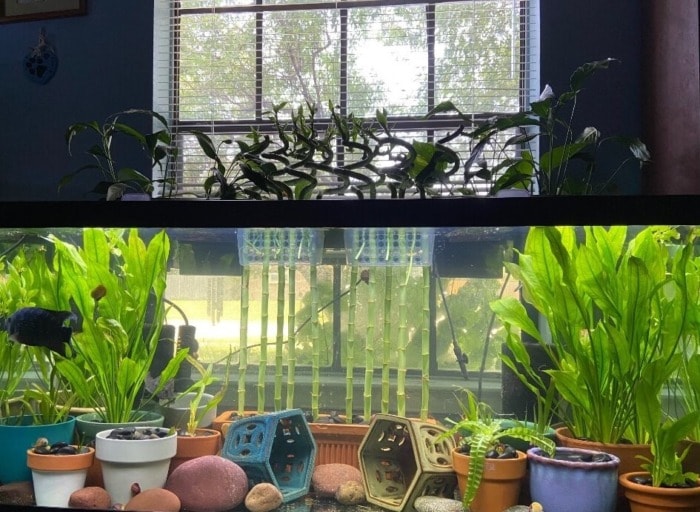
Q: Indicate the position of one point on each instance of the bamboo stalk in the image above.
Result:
(350, 344)
(264, 316)
(291, 326)
(425, 346)
(403, 331)
(369, 342)
(243, 329)
(386, 337)
(279, 340)
(315, 343)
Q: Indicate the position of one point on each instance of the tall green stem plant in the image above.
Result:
(243, 358)
(350, 345)
(425, 346)
(279, 339)
(315, 344)
(386, 338)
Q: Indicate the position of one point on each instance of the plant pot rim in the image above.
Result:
(48, 462)
(564, 432)
(535, 454)
(25, 421)
(200, 432)
(626, 482)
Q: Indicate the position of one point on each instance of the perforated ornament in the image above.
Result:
(41, 62)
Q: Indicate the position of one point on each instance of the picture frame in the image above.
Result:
(30, 10)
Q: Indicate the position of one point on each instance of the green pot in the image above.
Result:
(17, 434)
(89, 424)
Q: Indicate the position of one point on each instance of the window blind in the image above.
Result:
(220, 65)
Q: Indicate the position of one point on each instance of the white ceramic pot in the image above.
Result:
(127, 462)
(56, 477)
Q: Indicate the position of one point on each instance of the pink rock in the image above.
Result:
(327, 478)
(90, 498)
(208, 484)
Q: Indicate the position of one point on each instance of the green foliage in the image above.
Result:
(116, 282)
(482, 432)
(557, 171)
(198, 388)
(157, 146)
(666, 465)
(616, 309)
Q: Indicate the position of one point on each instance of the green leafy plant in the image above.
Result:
(198, 389)
(615, 309)
(480, 433)
(115, 180)
(550, 119)
(116, 282)
(666, 465)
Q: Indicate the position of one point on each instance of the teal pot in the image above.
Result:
(574, 480)
(128, 461)
(17, 434)
(89, 424)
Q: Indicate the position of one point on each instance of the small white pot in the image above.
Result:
(127, 462)
(56, 477)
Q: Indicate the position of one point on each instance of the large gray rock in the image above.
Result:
(437, 504)
(208, 484)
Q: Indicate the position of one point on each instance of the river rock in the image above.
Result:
(327, 478)
(154, 499)
(263, 497)
(350, 493)
(18, 493)
(437, 504)
(90, 498)
(208, 484)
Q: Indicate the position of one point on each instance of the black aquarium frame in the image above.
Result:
(332, 213)
(443, 212)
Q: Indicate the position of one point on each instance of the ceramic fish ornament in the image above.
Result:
(40, 327)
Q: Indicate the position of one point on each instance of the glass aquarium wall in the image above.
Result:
(334, 308)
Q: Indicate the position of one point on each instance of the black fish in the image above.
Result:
(40, 328)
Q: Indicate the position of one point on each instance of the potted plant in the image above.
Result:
(597, 294)
(116, 282)
(567, 165)
(27, 411)
(663, 485)
(194, 438)
(58, 470)
(137, 456)
(492, 486)
(115, 180)
(573, 480)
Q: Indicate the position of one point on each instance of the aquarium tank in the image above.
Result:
(345, 308)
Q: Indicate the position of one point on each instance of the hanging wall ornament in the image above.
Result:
(41, 62)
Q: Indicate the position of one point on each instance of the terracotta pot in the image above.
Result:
(500, 484)
(56, 477)
(645, 498)
(627, 453)
(338, 442)
(204, 442)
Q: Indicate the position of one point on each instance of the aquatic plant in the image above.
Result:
(116, 283)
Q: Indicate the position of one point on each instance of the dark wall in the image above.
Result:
(105, 66)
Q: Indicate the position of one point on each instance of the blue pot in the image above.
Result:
(17, 434)
(573, 486)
